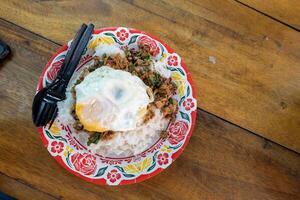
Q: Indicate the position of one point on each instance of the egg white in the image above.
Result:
(110, 99)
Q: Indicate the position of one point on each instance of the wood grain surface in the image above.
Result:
(255, 80)
(287, 11)
(222, 161)
(17, 188)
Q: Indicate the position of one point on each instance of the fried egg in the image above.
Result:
(110, 99)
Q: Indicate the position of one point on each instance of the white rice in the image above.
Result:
(132, 142)
(108, 50)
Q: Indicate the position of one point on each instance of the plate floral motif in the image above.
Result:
(65, 148)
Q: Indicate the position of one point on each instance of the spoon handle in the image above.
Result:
(78, 52)
(71, 51)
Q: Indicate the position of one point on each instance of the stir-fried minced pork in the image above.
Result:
(138, 63)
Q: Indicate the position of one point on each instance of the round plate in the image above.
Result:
(63, 144)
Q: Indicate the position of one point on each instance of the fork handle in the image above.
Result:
(78, 52)
(71, 51)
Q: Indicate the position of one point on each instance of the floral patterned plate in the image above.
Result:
(62, 142)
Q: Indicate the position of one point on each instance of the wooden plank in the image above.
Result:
(287, 11)
(221, 161)
(19, 190)
(255, 80)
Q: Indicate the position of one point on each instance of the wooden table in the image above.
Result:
(246, 143)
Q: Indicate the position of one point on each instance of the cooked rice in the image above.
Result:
(160, 112)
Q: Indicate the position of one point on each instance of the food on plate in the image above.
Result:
(121, 102)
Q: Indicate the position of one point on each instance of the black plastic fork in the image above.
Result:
(44, 108)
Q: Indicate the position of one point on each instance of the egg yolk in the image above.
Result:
(85, 113)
